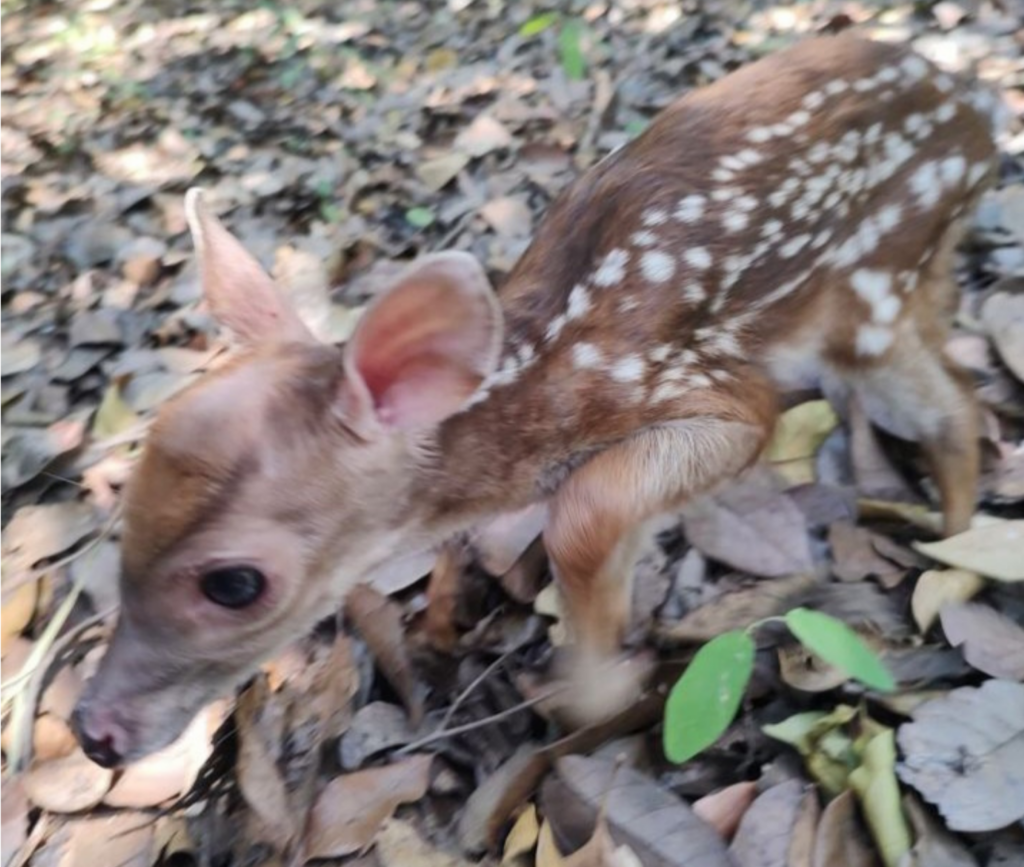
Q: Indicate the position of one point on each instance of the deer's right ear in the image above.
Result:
(240, 293)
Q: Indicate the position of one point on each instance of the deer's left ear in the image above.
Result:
(240, 293)
(424, 347)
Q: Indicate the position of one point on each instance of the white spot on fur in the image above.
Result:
(952, 169)
(735, 221)
(759, 134)
(660, 353)
(914, 67)
(888, 217)
(698, 257)
(976, 173)
(690, 208)
(586, 356)
(873, 340)
(555, 327)
(874, 287)
(667, 391)
(943, 83)
(628, 369)
(644, 238)
(657, 266)
(813, 100)
(655, 217)
(579, 302)
(771, 228)
(794, 246)
(798, 118)
(694, 292)
(722, 176)
(836, 87)
(612, 269)
(945, 112)
(924, 183)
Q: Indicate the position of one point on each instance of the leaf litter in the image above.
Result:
(338, 148)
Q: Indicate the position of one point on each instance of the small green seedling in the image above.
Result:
(571, 33)
(705, 699)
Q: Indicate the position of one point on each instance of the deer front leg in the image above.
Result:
(597, 522)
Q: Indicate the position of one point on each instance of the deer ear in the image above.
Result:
(423, 347)
(240, 293)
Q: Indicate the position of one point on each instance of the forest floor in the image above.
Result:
(339, 141)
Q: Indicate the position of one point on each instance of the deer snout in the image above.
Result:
(103, 735)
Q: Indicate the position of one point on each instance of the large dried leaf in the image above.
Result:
(841, 838)
(767, 832)
(751, 526)
(659, 827)
(937, 587)
(38, 533)
(351, 808)
(1003, 315)
(995, 550)
(69, 784)
(398, 844)
(965, 754)
(991, 642)
(123, 839)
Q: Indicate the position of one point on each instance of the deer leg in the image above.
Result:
(921, 397)
(597, 521)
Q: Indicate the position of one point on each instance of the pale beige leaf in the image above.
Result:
(18, 607)
(437, 173)
(994, 550)
(933, 846)
(766, 829)
(936, 588)
(842, 838)
(69, 784)
(122, 839)
(724, 809)
(38, 533)
(399, 844)
(483, 135)
(547, 850)
(522, 838)
(1003, 315)
(351, 808)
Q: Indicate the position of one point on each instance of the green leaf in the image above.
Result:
(573, 61)
(538, 24)
(840, 646)
(705, 699)
(420, 217)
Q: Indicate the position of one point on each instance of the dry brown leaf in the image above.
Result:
(995, 549)
(991, 642)
(805, 671)
(14, 807)
(1003, 315)
(601, 851)
(841, 837)
(38, 533)
(351, 808)
(439, 172)
(934, 846)
(379, 622)
(737, 610)
(260, 729)
(51, 738)
(752, 526)
(123, 839)
(69, 784)
(964, 753)
(937, 587)
(509, 216)
(724, 809)
(655, 824)
(18, 607)
(766, 830)
(483, 135)
(855, 557)
(399, 844)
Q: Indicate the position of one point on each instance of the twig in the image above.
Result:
(479, 679)
(481, 723)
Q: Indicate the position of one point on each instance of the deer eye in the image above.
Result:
(233, 586)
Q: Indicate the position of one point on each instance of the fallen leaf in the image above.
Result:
(874, 782)
(113, 416)
(655, 824)
(399, 844)
(376, 727)
(18, 607)
(822, 740)
(803, 670)
(509, 216)
(994, 550)
(14, 807)
(19, 354)
(933, 846)
(798, 435)
(765, 834)
(854, 557)
(991, 642)
(522, 839)
(1003, 316)
(547, 850)
(751, 526)
(351, 809)
(260, 731)
(965, 754)
(483, 135)
(723, 810)
(936, 588)
(38, 533)
(123, 839)
(841, 839)
(69, 784)
(379, 622)
(439, 172)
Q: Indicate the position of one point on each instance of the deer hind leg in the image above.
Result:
(597, 522)
(920, 396)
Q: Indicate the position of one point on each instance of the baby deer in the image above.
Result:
(791, 225)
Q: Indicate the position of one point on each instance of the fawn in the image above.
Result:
(791, 225)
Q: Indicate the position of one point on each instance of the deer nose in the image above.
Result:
(101, 736)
